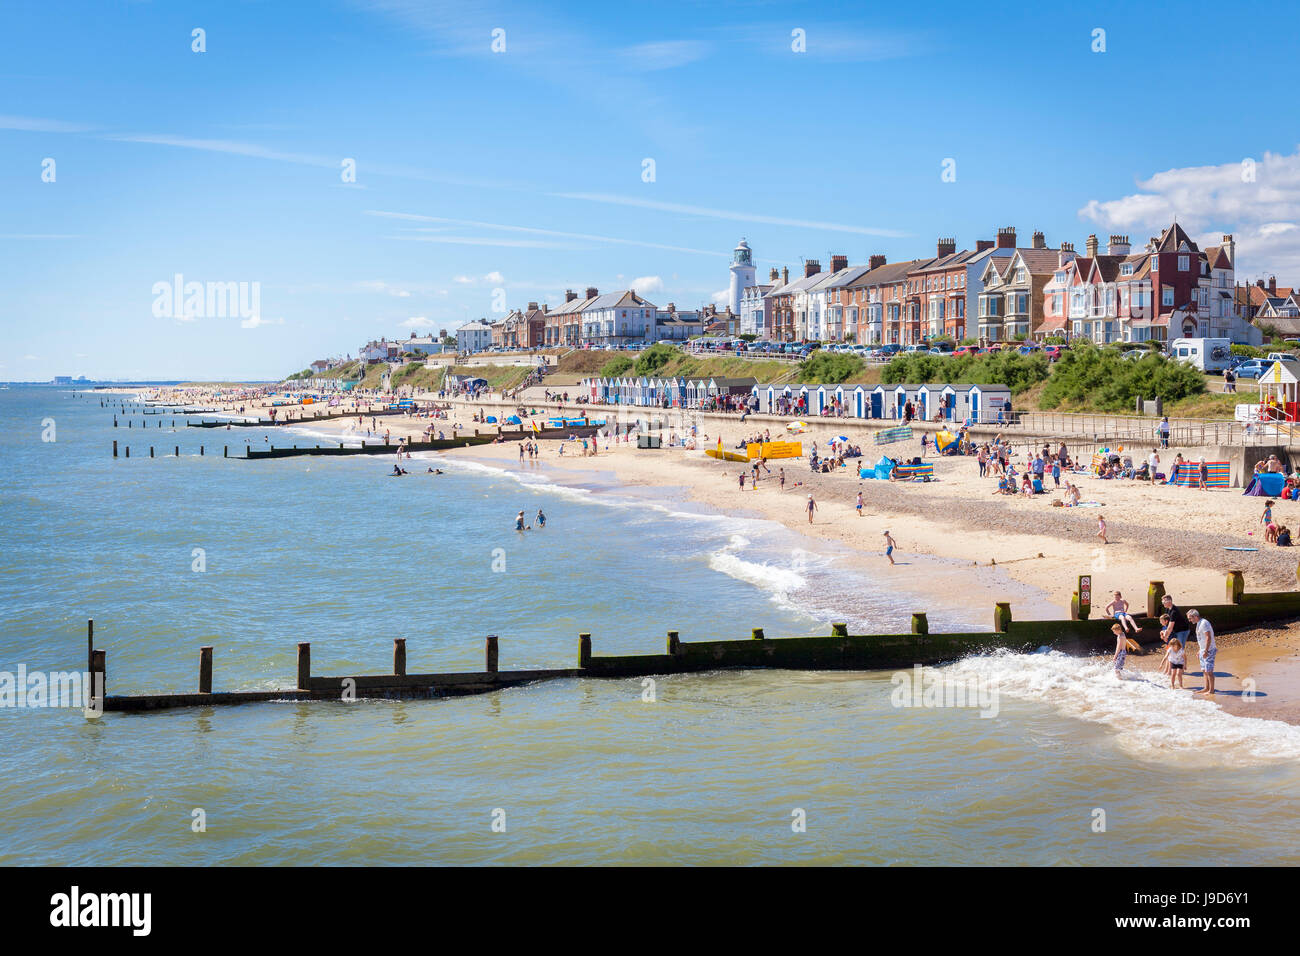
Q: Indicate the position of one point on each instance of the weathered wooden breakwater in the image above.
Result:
(837, 651)
(300, 420)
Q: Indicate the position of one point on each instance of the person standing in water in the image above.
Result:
(519, 522)
(1121, 649)
(541, 519)
(890, 544)
(1208, 649)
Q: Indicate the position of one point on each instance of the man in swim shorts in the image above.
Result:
(1208, 649)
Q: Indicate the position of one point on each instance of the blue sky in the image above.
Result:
(522, 169)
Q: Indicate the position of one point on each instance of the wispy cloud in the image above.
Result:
(533, 230)
(32, 124)
(835, 41)
(229, 146)
(664, 55)
(729, 215)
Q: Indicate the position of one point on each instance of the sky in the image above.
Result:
(376, 167)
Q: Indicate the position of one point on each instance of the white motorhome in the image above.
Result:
(1209, 355)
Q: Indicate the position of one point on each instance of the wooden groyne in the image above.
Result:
(839, 650)
(274, 422)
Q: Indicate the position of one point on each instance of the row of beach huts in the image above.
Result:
(977, 403)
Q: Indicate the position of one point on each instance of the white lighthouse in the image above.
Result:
(742, 273)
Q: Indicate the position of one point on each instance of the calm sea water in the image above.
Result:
(713, 771)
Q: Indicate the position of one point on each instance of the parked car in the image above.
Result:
(1252, 368)
(965, 350)
(1053, 352)
(890, 349)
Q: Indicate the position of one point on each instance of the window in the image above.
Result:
(1182, 263)
(1166, 297)
(1155, 263)
(1126, 269)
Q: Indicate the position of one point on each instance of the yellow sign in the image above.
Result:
(775, 449)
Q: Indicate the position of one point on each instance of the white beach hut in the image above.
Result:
(879, 402)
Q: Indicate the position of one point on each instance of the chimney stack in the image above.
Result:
(1066, 254)
(1230, 247)
(839, 262)
(532, 306)
(811, 267)
(946, 247)
(785, 275)
(774, 275)
(1118, 246)
(569, 295)
(1040, 241)
(1259, 283)
(1007, 237)
(592, 292)
(1272, 285)
(1090, 244)
(877, 261)
(982, 244)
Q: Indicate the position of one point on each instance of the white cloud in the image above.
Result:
(722, 298)
(418, 322)
(495, 278)
(29, 358)
(644, 285)
(34, 124)
(463, 280)
(379, 285)
(1257, 201)
(709, 213)
(257, 322)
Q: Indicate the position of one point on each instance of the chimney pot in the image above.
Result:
(946, 247)
(592, 292)
(839, 262)
(811, 267)
(1007, 237)
(877, 261)
(569, 295)
(1040, 241)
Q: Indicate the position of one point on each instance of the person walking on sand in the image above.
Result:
(781, 479)
(812, 506)
(890, 544)
(1208, 650)
(1270, 529)
(1163, 431)
(1202, 473)
(1101, 529)
(859, 504)
(742, 481)
(1121, 649)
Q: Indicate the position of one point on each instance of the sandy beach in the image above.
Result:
(983, 542)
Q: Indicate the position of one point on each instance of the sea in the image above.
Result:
(1050, 762)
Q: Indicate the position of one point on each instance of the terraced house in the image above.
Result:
(564, 324)
(1011, 303)
(617, 318)
(791, 304)
(876, 297)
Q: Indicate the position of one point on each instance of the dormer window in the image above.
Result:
(1126, 269)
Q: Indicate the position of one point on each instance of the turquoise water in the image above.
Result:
(714, 770)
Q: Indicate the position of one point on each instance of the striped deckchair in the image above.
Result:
(888, 435)
(1188, 473)
(916, 471)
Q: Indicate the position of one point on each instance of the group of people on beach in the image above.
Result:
(1176, 628)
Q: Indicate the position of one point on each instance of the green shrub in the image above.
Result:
(618, 365)
(1008, 367)
(654, 358)
(1101, 379)
(829, 368)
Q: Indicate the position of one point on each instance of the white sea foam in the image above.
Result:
(1150, 721)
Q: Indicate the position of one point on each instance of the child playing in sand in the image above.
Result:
(1176, 656)
(1118, 609)
(1121, 649)
(1101, 528)
(1270, 529)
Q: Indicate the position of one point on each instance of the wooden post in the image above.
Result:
(205, 669)
(756, 634)
(399, 656)
(920, 625)
(1155, 593)
(584, 650)
(1236, 587)
(842, 630)
(128, 451)
(99, 666)
(200, 451)
(177, 452)
(225, 451)
(90, 645)
(114, 449)
(1001, 616)
(304, 664)
(151, 451)
(674, 643)
(490, 654)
